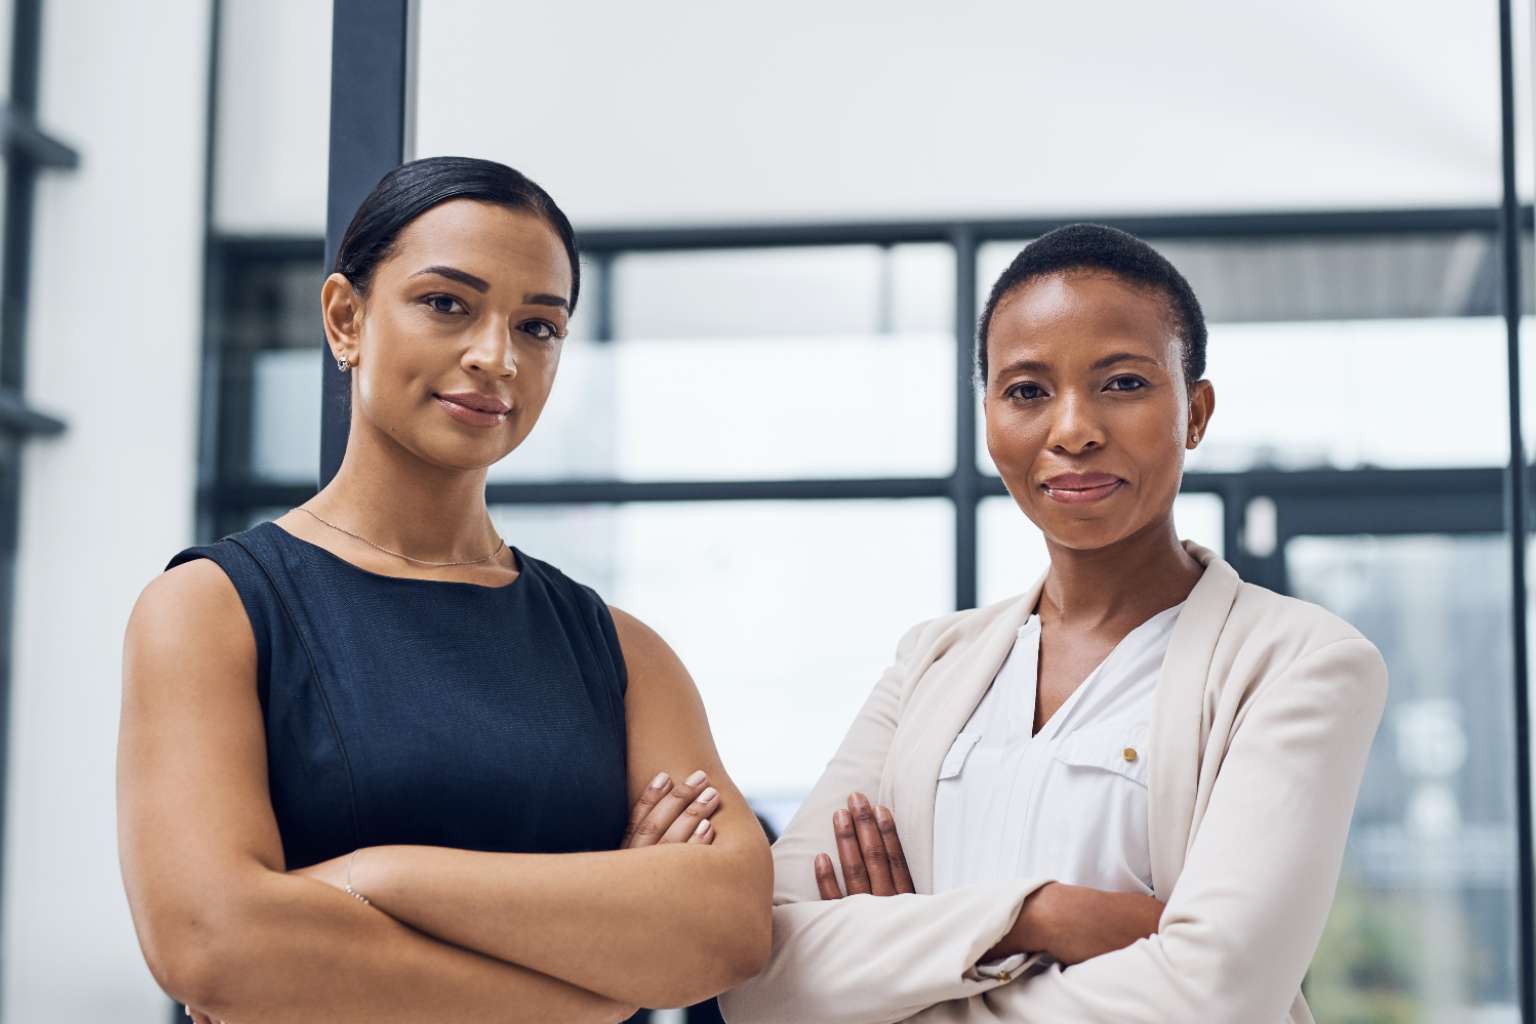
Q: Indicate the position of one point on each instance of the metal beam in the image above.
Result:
(371, 93)
(966, 482)
(1509, 237)
(1162, 227)
(17, 418)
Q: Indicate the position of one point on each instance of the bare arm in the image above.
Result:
(221, 924)
(662, 925)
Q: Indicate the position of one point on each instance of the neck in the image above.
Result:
(1128, 581)
(399, 502)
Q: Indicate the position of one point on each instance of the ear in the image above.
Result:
(341, 311)
(1202, 406)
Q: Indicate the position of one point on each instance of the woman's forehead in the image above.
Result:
(490, 241)
(1074, 314)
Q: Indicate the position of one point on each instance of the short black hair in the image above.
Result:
(413, 188)
(1098, 247)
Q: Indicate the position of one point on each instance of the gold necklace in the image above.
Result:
(419, 561)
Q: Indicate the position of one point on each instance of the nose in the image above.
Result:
(492, 351)
(1074, 427)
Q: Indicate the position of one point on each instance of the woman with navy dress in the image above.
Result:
(378, 764)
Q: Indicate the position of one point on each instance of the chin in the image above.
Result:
(1083, 535)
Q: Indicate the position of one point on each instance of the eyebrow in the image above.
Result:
(455, 274)
(1035, 366)
(464, 277)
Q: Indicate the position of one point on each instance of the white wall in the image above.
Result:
(114, 344)
(697, 110)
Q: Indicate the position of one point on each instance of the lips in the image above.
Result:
(476, 401)
(1079, 488)
(465, 408)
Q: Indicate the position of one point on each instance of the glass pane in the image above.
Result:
(759, 365)
(784, 612)
(271, 140)
(1424, 924)
(1395, 276)
(1012, 555)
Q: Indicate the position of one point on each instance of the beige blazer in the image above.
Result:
(1263, 716)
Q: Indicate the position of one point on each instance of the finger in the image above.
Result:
(901, 875)
(654, 825)
(198, 1016)
(703, 833)
(649, 797)
(704, 805)
(871, 846)
(826, 878)
(855, 877)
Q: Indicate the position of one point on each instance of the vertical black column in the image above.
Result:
(372, 93)
(1515, 507)
(965, 484)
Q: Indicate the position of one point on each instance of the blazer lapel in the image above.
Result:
(939, 708)
(1177, 726)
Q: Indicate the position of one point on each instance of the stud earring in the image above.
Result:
(342, 364)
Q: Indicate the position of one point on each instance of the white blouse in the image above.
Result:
(1068, 803)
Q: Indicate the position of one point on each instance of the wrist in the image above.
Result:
(1032, 931)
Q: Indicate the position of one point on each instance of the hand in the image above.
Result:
(1073, 923)
(867, 844)
(667, 813)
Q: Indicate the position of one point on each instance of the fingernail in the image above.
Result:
(708, 795)
(860, 801)
(823, 862)
(697, 777)
(703, 827)
(882, 815)
(843, 820)
(659, 781)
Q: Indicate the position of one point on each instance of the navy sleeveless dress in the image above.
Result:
(430, 712)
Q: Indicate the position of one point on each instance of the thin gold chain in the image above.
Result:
(419, 561)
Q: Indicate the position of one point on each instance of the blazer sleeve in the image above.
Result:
(1244, 919)
(868, 959)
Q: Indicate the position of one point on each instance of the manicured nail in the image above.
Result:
(697, 777)
(860, 802)
(883, 815)
(659, 781)
(823, 863)
(843, 820)
(708, 795)
(703, 827)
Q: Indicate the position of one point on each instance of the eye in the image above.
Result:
(542, 330)
(444, 304)
(1126, 384)
(1025, 391)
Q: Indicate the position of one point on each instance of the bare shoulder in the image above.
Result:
(650, 661)
(636, 638)
(186, 616)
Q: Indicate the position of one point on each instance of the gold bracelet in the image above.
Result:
(351, 891)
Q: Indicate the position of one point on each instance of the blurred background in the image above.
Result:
(763, 440)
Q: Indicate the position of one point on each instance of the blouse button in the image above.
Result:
(1130, 753)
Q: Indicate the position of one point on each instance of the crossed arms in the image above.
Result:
(1232, 943)
(451, 934)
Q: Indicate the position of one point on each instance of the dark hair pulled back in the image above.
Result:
(412, 189)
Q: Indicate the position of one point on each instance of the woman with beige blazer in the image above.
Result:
(1244, 745)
